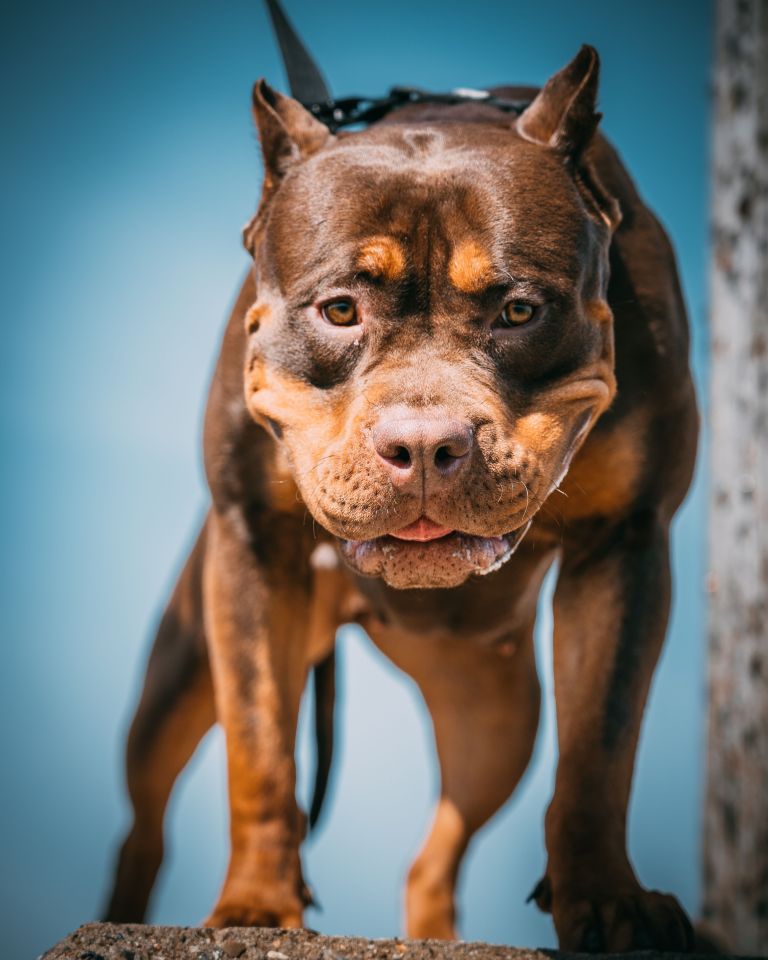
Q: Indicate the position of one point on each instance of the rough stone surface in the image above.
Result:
(111, 941)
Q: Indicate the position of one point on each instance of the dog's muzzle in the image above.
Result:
(440, 561)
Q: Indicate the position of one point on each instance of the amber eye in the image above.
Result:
(515, 314)
(341, 313)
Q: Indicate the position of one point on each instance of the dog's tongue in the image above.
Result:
(422, 530)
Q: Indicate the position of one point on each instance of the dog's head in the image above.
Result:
(431, 341)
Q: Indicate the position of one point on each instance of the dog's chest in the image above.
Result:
(486, 611)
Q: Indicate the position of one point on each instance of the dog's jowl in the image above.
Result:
(462, 349)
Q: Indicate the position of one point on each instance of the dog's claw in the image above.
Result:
(541, 894)
(640, 920)
(308, 897)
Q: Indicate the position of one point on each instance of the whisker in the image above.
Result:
(328, 456)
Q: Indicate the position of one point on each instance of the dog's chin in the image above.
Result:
(444, 562)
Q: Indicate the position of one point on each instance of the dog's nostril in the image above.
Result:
(453, 449)
(401, 456)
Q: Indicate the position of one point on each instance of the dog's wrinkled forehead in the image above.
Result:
(400, 203)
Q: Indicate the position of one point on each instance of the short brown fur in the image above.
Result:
(571, 436)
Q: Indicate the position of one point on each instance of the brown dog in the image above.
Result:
(462, 348)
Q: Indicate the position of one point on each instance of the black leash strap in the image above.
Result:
(307, 85)
(304, 78)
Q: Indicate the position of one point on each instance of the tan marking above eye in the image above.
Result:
(383, 258)
(470, 269)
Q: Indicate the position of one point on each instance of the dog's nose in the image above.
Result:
(433, 447)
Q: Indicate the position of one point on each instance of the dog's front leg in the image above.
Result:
(611, 608)
(256, 625)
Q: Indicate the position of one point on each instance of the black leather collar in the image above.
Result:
(352, 110)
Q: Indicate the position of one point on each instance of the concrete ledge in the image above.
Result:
(111, 941)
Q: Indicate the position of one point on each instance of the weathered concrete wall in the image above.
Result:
(735, 907)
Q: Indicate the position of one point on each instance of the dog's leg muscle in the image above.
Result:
(175, 711)
(257, 622)
(611, 608)
(484, 703)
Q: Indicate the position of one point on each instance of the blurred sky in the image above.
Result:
(129, 165)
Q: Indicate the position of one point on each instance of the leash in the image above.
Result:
(308, 86)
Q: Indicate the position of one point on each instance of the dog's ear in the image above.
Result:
(288, 133)
(562, 115)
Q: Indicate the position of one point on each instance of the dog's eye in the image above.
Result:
(515, 314)
(341, 313)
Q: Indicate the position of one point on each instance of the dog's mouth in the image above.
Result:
(426, 555)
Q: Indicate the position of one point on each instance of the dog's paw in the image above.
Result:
(617, 922)
(226, 915)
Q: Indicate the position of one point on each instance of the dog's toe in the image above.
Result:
(234, 916)
(640, 920)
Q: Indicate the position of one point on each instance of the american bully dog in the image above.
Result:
(462, 350)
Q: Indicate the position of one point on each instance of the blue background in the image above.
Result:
(129, 166)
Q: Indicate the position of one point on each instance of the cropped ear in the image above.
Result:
(563, 116)
(288, 133)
